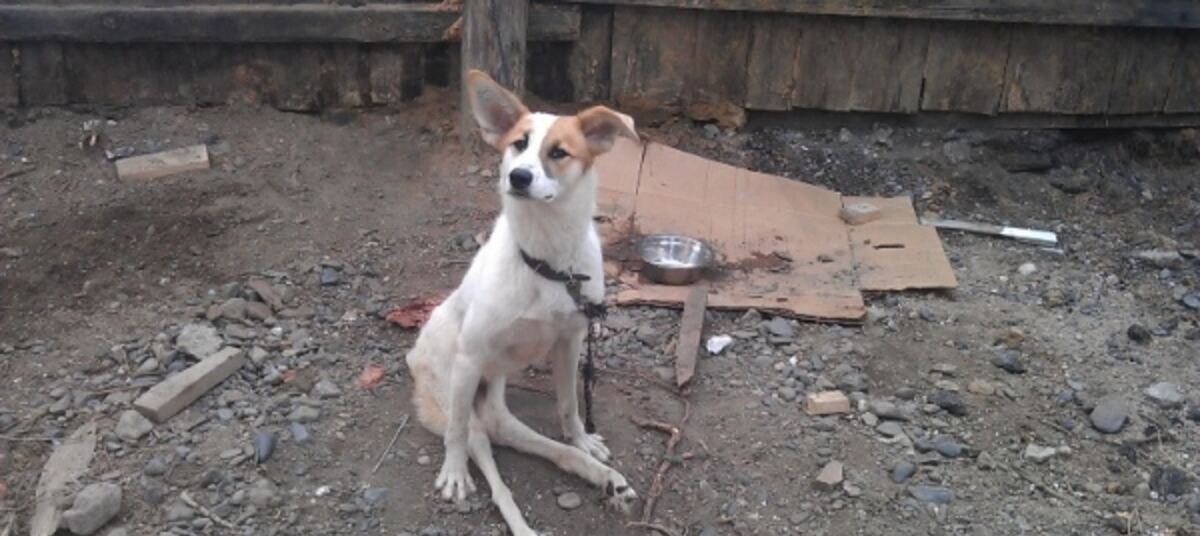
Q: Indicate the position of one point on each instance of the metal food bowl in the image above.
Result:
(674, 259)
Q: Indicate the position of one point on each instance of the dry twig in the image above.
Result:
(675, 435)
(188, 500)
(399, 429)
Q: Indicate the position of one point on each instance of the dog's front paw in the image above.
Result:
(454, 480)
(620, 494)
(594, 446)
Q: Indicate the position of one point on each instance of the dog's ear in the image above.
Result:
(496, 109)
(601, 126)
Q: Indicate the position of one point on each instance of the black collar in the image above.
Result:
(543, 269)
(572, 281)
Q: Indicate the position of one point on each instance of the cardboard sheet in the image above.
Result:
(781, 246)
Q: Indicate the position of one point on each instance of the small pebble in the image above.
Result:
(569, 501)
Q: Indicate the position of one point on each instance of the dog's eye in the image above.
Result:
(521, 144)
(558, 154)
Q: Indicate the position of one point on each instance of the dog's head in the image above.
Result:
(545, 155)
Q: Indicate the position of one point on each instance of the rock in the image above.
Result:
(264, 445)
(304, 414)
(94, 507)
(981, 387)
(1161, 258)
(1009, 361)
(326, 389)
(830, 477)
(157, 466)
(258, 311)
(950, 401)
(60, 406)
(709, 531)
(1028, 268)
(569, 501)
(890, 429)
(119, 531)
(1165, 394)
(887, 410)
(903, 470)
(147, 368)
(330, 276)
(1167, 480)
(870, 419)
(1109, 416)
(374, 496)
(1139, 334)
(262, 493)
(859, 213)
(949, 448)
(851, 490)
(1038, 453)
(780, 327)
(7, 422)
(787, 393)
(299, 432)
(231, 309)
(1191, 300)
(1193, 414)
(198, 340)
(179, 512)
(267, 293)
(931, 494)
(133, 426)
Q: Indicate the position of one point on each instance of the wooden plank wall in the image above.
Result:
(290, 76)
(663, 57)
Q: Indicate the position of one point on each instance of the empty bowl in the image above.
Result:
(674, 259)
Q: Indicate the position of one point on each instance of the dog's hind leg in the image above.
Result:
(505, 429)
(480, 449)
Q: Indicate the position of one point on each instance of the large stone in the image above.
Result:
(830, 477)
(1109, 416)
(133, 426)
(198, 340)
(94, 507)
(1165, 394)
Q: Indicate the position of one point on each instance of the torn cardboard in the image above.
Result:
(781, 244)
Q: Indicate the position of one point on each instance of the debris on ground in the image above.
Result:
(830, 477)
(174, 394)
(859, 213)
(65, 466)
(415, 313)
(1041, 238)
(717, 344)
(94, 507)
(826, 403)
(166, 163)
(370, 376)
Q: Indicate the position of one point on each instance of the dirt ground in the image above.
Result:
(348, 214)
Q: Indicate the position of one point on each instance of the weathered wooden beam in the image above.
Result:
(1137, 13)
(257, 23)
(494, 41)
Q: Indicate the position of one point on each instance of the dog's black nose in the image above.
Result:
(520, 178)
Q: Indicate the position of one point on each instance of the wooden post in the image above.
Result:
(493, 41)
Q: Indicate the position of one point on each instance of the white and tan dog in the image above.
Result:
(505, 316)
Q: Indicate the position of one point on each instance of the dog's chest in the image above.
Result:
(530, 341)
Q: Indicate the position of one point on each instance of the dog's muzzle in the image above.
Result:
(520, 179)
